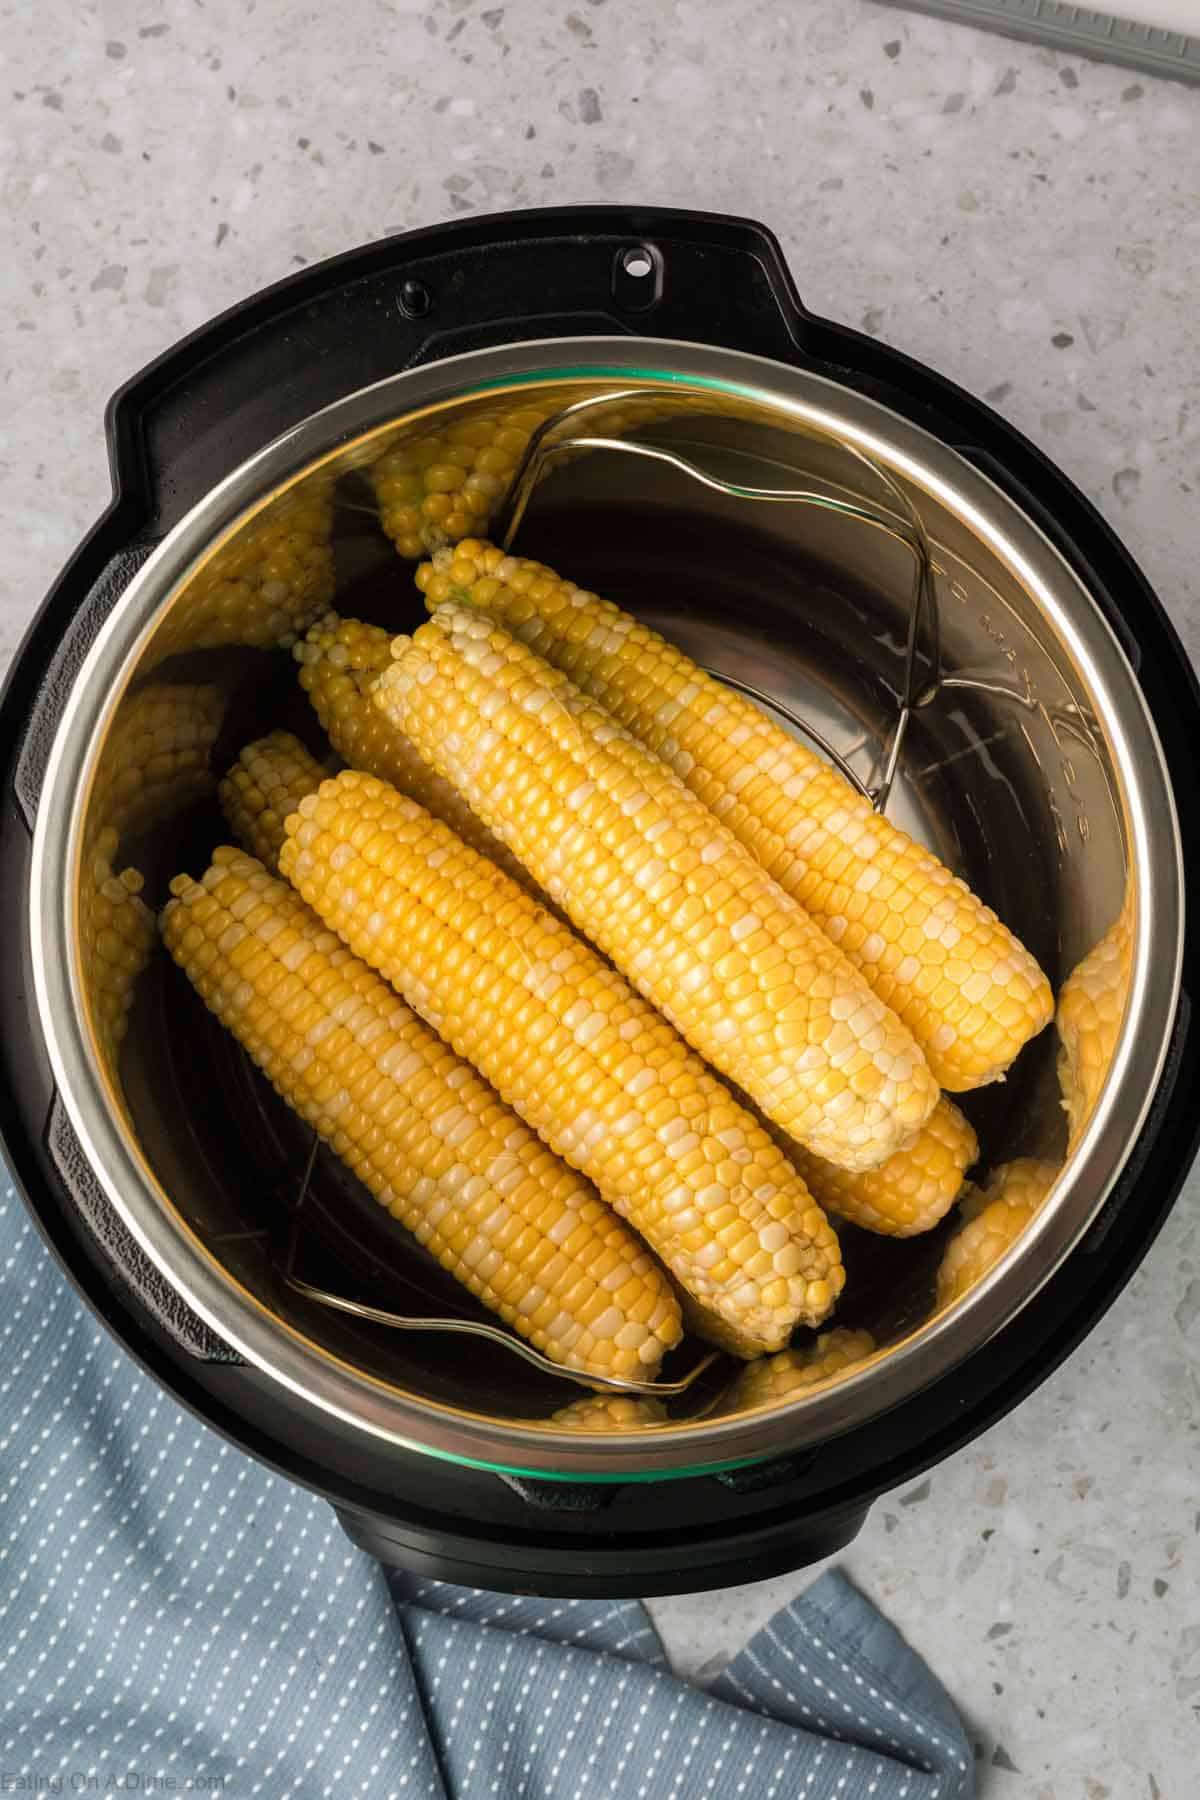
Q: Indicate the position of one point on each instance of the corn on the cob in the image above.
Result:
(968, 991)
(267, 782)
(701, 1320)
(156, 758)
(419, 1127)
(908, 1193)
(994, 1216)
(1022, 1183)
(776, 1378)
(1091, 1005)
(264, 586)
(643, 868)
(611, 1412)
(435, 488)
(441, 485)
(584, 1060)
(340, 661)
(116, 936)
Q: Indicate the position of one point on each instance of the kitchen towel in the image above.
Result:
(174, 1618)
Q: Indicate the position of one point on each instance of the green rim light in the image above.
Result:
(593, 1477)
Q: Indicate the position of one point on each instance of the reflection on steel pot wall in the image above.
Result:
(1091, 1007)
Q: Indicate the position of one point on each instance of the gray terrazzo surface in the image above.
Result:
(1027, 223)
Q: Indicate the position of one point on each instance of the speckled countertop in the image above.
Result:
(1029, 224)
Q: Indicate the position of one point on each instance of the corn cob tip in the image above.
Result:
(910, 1192)
(263, 786)
(445, 482)
(774, 1378)
(340, 671)
(611, 1412)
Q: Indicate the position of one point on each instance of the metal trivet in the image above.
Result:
(492, 1334)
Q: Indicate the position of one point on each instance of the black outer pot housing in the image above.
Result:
(177, 429)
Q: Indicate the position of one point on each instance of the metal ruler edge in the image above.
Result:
(1147, 48)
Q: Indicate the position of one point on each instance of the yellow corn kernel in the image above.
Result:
(641, 866)
(775, 1378)
(156, 759)
(736, 1339)
(1091, 1005)
(340, 661)
(116, 936)
(454, 1165)
(908, 1193)
(908, 924)
(264, 586)
(267, 782)
(435, 488)
(611, 1412)
(585, 1061)
(994, 1216)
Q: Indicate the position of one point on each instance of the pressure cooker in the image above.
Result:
(821, 522)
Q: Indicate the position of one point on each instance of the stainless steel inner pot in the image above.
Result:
(1000, 714)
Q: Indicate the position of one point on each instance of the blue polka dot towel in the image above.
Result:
(176, 1619)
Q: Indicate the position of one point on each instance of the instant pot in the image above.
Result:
(643, 402)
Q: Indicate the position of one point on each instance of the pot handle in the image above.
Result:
(541, 1556)
(176, 429)
(44, 712)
